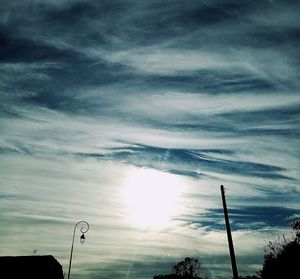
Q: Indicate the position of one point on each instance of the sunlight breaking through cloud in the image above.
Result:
(130, 114)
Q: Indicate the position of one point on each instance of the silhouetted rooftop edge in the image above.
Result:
(34, 267)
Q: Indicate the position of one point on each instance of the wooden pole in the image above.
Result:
(230, 242)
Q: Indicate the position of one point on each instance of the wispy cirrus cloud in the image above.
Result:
(206, 92)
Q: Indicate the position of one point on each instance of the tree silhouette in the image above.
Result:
(282, 256)
(189, 268)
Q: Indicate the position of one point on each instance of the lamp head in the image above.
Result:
(82, 238)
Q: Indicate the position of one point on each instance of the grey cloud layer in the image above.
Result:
(214, 71)
(206, 90)
(72, 34)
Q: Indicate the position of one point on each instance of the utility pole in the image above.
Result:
(230, 242)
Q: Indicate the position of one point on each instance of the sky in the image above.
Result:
(130, 114)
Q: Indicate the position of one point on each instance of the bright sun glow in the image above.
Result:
(152, 197)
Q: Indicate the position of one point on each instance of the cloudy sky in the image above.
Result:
(130, 114)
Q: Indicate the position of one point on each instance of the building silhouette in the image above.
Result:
(33, 267)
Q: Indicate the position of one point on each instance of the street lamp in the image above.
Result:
(83, 230)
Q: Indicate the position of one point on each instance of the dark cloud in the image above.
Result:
(7, 196)
(286, 114)
(18, 49)
(65, 33)
(189, 162)
(206, 90)
(247, 218)
(212, 82)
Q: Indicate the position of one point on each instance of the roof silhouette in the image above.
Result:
(33, 267)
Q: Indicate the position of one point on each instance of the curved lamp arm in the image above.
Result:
(83, 230)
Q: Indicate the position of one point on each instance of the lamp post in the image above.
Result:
(83, 230)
